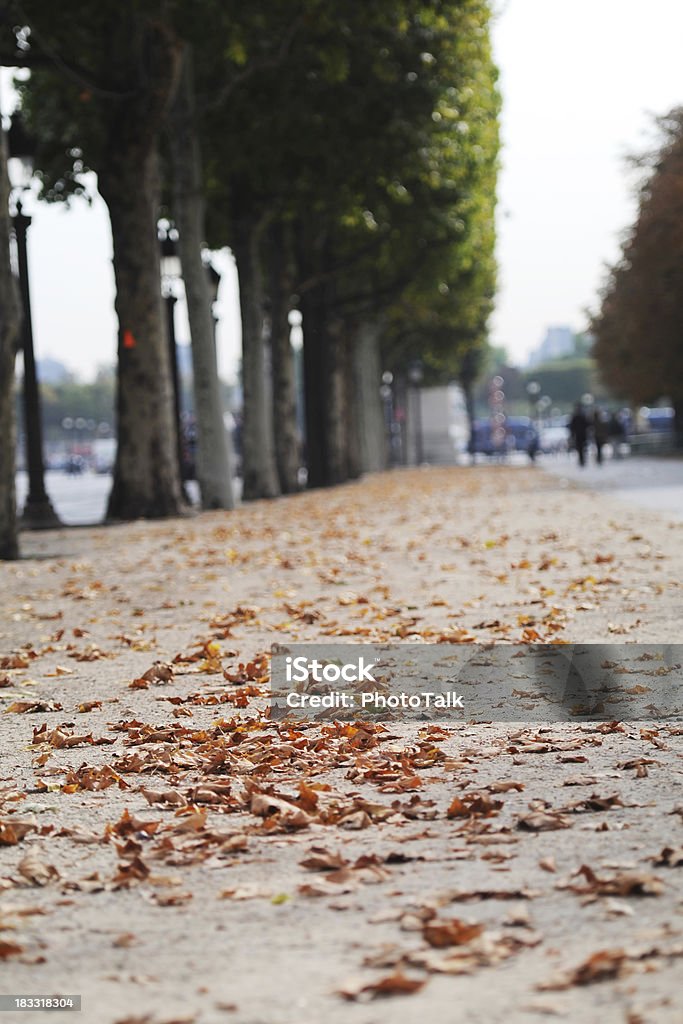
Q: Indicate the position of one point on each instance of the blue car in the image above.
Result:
(516, 434)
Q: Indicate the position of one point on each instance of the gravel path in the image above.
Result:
(173, 855)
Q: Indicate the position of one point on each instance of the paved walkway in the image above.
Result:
(652, 483)
(173, 854)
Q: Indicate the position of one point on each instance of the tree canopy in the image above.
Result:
(638, 327)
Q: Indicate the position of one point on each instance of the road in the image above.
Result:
(78, 500)
(651, 483)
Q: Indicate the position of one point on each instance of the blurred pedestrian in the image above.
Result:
(600, 433)
(616, 430)
(578, 432)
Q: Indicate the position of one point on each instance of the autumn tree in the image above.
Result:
(101, 83)
(363, 161)
(214, 456)
(638, 328)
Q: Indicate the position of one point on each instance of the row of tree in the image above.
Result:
(346, 153)
(638, 328)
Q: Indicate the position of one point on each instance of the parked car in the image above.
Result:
(660, 421)
(518, 434)
(554, 438)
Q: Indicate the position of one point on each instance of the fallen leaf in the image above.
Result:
(439, 933)
(542, 821)
(391, 985)
(36, 871)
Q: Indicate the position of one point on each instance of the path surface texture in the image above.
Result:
(171, 853)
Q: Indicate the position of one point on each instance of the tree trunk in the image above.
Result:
(367, 403)
(9, 336)
(325, 392)
(146, 478)
(335, 393)
(214, 461)
(259, 473)
(678, 423)
(353, 410)
(287, 442)
(469, 371)
(468, 391)
(313, 312)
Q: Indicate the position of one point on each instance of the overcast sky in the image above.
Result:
(580, 80)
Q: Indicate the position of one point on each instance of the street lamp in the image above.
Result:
(387, 395)
(497, 416)
(533, 389)
(415, 376)
(171, 271)
(544, 404)
(38, 513)
(214, 284)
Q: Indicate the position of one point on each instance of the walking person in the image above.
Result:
(600, 433)
(617, 434)
(578, 432)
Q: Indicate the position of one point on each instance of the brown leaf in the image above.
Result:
(542, 821)
(623, 883)
(286, 813)
(601, 966)
(29, 707)
(669, 857)
(463, 895)
(12, 831)
(455, 932)
(134, 870)
(171, 899)
(8, 949)
(595, 803)
(320, 859)
(169, 797)
(397, 984)
(472, 805)
(160, 672)
(36, 871)
(248, 891)
(89, 705)
(505, 786)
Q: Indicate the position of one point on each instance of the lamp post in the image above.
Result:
(170, 275)
(497, 417)
(214, 284)
(544, 404)
(533, 390)
(387, 396)
(38, 513)
(415, 376)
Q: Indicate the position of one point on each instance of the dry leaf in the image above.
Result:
(36, 871)
(441, 933)
(542, 821)
(397, 984)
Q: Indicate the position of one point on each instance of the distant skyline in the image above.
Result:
(580, 80)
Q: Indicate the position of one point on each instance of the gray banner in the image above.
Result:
(477, 682)
(33, 1002)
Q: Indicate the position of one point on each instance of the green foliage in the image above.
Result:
(93, 401)
(371, 130)
(565, 380)
(376, 137)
